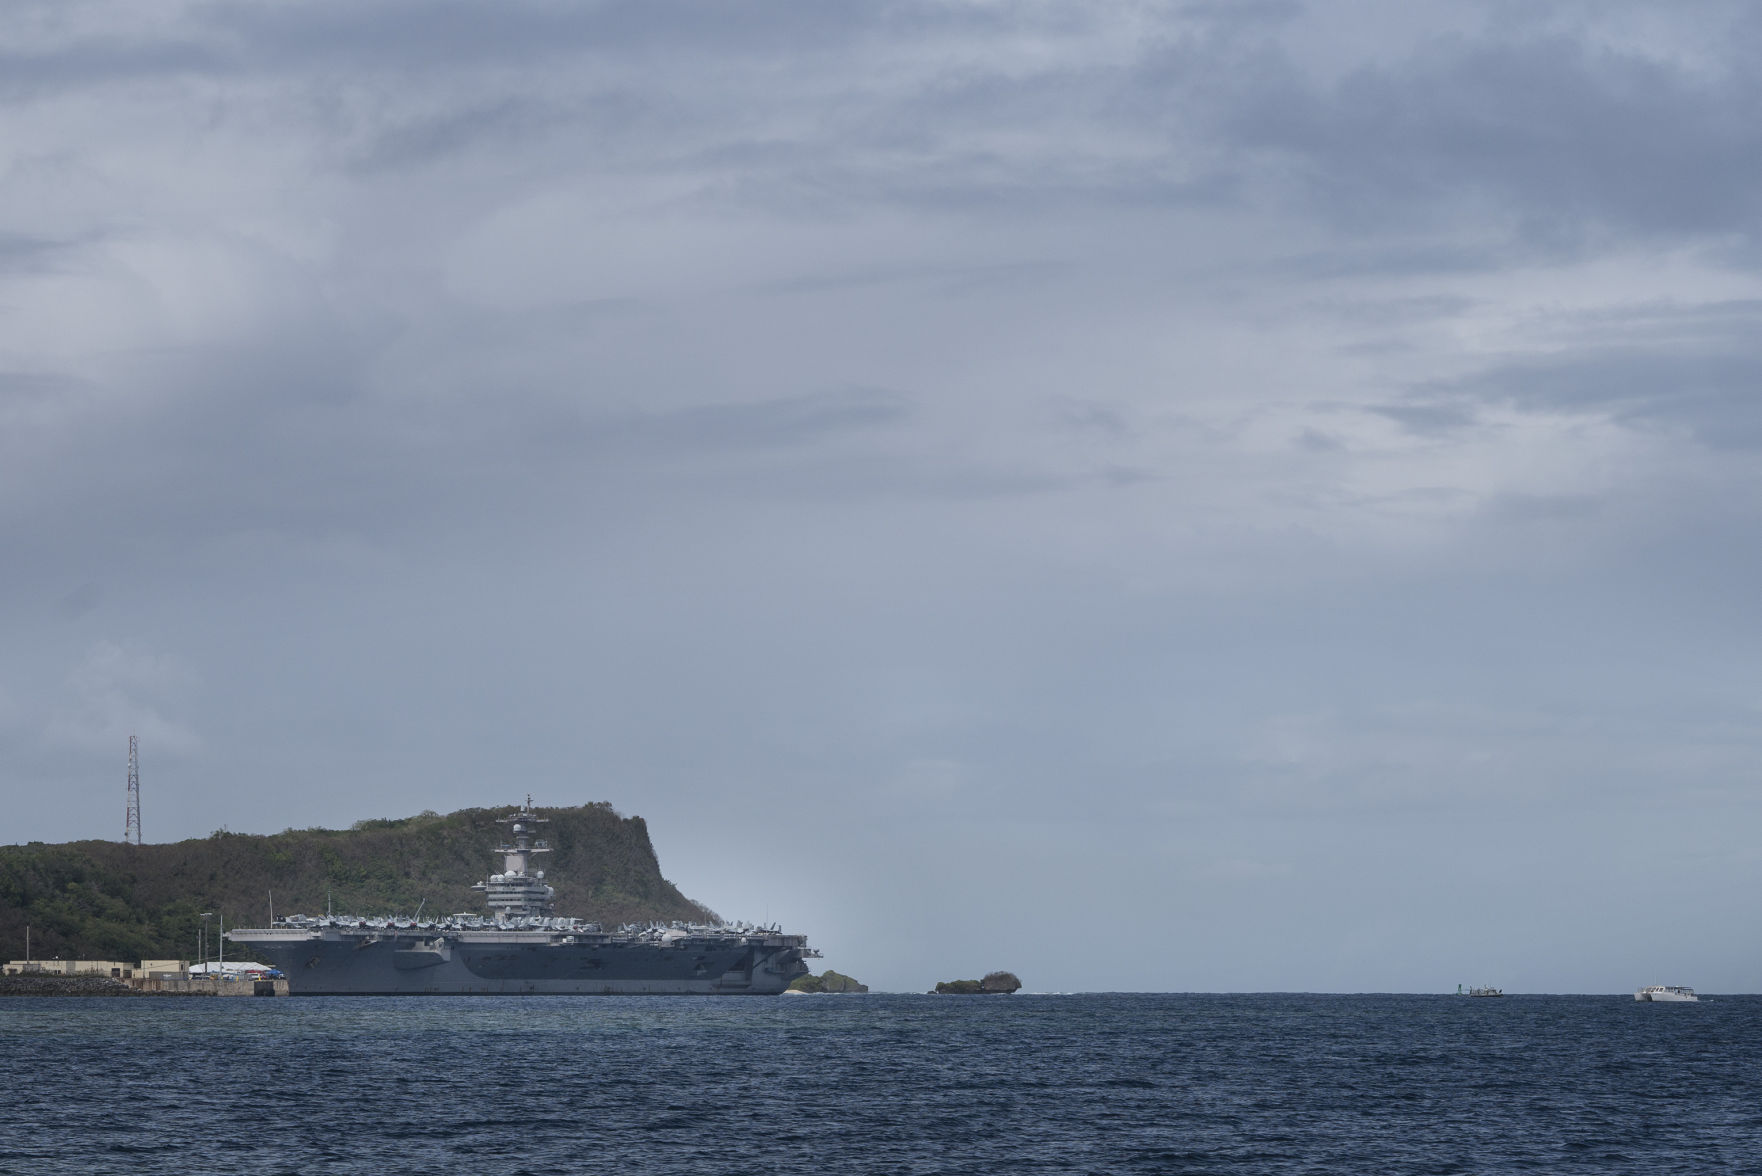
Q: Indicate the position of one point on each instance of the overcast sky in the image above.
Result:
(1212, 496)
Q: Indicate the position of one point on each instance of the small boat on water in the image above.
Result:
(1480, 990)
(1668, 992)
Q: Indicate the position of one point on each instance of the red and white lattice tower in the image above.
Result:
(131, 823)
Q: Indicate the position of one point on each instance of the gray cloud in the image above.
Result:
(785, 421)
(1550, 137)
(1427, 418)
(1691, 370)
(101, 61)
(1716, 398)
(30, 254)
(427, 138)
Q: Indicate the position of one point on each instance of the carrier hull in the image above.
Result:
(515, 964)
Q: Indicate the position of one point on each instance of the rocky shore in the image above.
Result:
(40, 985)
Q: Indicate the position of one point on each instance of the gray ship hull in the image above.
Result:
(347, 963)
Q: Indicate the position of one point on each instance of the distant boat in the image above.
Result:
(1480, 990)
(1668, 992)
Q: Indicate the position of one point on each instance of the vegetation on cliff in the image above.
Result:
(106, 900)
(993, 983)
(827, 981)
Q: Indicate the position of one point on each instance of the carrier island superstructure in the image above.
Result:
(521, 947)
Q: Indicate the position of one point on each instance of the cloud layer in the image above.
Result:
(1276, 479)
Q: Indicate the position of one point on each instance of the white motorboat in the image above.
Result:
(1666, 992)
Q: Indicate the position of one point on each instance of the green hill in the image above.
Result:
(106, 900)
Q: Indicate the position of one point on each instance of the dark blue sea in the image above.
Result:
(883, 1084)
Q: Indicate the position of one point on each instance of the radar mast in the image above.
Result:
(519, 890)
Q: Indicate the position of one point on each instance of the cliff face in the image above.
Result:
(105, 900)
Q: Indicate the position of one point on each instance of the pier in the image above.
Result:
(148, 978)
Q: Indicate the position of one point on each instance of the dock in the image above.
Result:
(147, 978)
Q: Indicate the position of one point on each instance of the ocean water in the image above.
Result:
(884, 1084)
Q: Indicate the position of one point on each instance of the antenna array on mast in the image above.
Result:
(131, 822)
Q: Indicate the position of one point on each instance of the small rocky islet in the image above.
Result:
(827, 981)
(992, 984)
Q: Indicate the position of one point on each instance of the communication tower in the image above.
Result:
(131, 822)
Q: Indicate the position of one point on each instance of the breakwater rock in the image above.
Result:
(64, 986)
(993, 984)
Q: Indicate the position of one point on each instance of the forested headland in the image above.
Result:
(107, 900)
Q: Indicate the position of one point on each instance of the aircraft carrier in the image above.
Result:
(522, 948)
